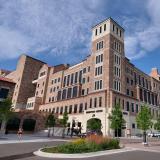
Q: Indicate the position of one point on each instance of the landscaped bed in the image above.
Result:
(92, 143)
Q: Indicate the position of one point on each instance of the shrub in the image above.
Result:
(111, 144)
(98, 139)
(92, 143)
(79, 141)
(114, 144)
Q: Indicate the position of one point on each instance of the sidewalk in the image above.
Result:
(13, 138)
(152, 146)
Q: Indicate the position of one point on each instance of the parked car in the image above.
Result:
(83, 135)
(154, 134)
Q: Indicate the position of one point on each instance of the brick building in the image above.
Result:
(91, 88)
(26, 71)
(6, 88)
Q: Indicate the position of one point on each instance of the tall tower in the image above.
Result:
(108, 58)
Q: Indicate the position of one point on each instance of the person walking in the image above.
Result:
(20, 132)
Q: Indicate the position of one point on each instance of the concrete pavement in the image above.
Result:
(134, 155)
(23, 150)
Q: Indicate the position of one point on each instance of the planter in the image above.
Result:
(82, 155)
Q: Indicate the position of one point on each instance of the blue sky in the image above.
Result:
(59, 31)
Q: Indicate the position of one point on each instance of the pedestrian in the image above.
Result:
(20, 132)
(68, 131)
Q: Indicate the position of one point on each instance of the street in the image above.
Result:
(24, 151)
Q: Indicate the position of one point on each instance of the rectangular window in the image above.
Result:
(100, 30)
(95, 102)
(100, 101)
(61, 110)
(132, 105)
(69, 93)
(57, 110)
(127, 92)
(101, 59)
(75, 92)
(120, 33)
(68, 80)
(141, 94)
(137, 108)
(149, 98)
(104, 27)
(98, 70)
(86, 106)
(76, 77)
(83, 80)
(81, 108)
(96, 32)
(64, 93)
(117, 30)
(98, 85)
(90, 103)
(4, 93)
(133, 125)
(75, 108)
(70, 109)
(145, 96)
(64, 81)
(127, 106)
(80, 76)
(72, 78)
(66, 109)
(84, 70)
(99, 45)
(83, 92)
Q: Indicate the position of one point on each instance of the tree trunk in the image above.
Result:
(49, 130)
(117, 133)
(63, 133)
(52, 131)
(3, 127)
(144, 138)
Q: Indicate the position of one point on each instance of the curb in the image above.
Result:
(82, 155)
(32, 141)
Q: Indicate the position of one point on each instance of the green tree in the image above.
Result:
(50, 123)
(6, 113)
(157, 124)
(63, 122)
(116, 119)
(94, 124)
(144, 121)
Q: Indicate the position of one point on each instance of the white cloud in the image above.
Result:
(144, 35)
(12, 43)
(55, 26)
(58, 27)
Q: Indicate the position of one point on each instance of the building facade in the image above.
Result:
(91, 88)
(6, 88)
(26, 71)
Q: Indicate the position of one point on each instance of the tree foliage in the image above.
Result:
(157, 124)
(51, 121)
(6, 112)
(144, 119)
(94, 124)
(6, 109)
(116, 117)
(64, 119)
